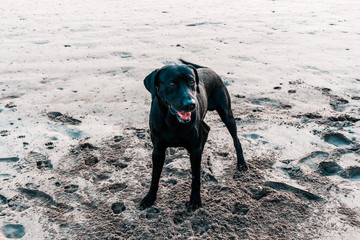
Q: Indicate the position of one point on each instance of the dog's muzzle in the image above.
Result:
(182, 117)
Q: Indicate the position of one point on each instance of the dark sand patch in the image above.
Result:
(59, 117)
(9, 159)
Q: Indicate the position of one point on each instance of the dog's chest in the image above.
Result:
(177, 137)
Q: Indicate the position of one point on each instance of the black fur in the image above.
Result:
(180, 89)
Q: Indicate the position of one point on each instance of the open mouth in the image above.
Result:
(182, 117)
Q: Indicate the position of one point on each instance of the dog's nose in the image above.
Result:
(189, 105)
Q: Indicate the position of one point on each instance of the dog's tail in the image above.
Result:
(191, 64)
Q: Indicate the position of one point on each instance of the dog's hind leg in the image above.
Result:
(158, 158)
(224, 110)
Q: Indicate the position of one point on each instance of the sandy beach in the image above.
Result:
(75, 150)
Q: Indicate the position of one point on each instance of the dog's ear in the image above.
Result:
(150, 83)
(196, 78)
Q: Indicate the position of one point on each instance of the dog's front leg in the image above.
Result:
(195, 199)
(158, 158)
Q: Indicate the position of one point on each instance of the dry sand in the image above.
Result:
(74, 145)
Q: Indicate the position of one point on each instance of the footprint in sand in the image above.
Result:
(9, 159)
(117, 187)
(10, 105)
(314, 155)
(344, 118)
(42, 198)
(74, 133)
(87, 147)
(339, 104)
(13, 231)
(4, 133)
(332, 168)
(252, 136)
(87, 150)
(118, 138)
(49, 145)
(42, 161)
(351, 173)
(140, 133)
(329, 168)
(118, 207)
(336, 139)
(311, 116)
(269, 102)
(3, 200)
(294, 172)
(71, 188)
(239, 96)
(44, 164)
(59, 117)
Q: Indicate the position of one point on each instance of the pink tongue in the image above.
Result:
(185, 116)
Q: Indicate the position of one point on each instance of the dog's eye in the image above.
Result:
(191, 82)
(171, 84)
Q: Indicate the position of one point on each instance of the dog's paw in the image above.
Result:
(242, 167)
(194, 203)
(147, 201)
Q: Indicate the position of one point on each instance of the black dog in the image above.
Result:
(181, 95)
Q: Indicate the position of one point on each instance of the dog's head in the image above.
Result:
(176, 87)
